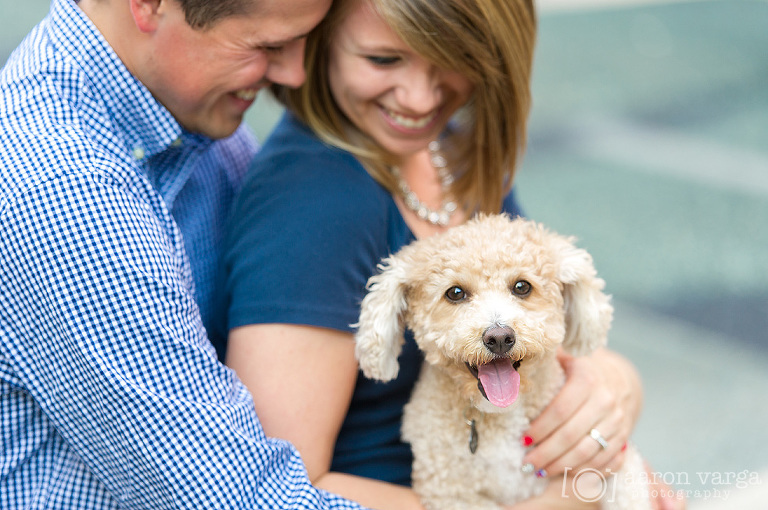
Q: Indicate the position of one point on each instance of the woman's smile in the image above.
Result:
(410, 123)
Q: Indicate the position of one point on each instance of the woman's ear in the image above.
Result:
(379, 338)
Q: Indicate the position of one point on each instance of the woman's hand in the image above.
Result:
(601, 392)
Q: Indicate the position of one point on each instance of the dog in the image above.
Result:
(489, 303)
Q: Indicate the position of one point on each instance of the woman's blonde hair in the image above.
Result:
(490, 42)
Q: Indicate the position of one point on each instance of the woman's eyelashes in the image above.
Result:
(382, 61)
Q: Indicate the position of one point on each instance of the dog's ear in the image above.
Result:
(379, 338)
(588, 311)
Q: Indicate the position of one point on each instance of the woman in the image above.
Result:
(412, 119)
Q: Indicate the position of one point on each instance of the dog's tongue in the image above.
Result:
(500, 381)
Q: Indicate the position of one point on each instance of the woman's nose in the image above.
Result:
(287, 68)
(420, 91)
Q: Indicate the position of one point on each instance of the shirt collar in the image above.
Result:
(147, 127)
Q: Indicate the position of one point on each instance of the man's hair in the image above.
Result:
(204, 13)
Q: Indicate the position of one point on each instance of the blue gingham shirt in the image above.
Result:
(110, 217)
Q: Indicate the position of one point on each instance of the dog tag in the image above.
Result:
(472, 437)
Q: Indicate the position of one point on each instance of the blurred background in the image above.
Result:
(649, 143)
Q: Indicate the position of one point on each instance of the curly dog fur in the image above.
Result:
(489, 303)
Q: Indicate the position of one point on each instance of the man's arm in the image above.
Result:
(104, 333)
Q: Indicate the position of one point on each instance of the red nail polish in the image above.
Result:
(624, 447)
(527, 441)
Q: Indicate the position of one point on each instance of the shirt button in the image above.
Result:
(177, 142)
(138, 152)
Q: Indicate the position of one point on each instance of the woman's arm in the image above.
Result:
(302, 379)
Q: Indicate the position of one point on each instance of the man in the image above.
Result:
(120, 148)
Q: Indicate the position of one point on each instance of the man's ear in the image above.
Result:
(146, 13)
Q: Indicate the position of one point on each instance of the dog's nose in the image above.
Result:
(499, 339)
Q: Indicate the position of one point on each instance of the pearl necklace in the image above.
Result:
(442, 216)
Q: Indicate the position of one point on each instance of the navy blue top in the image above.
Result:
(309, 227)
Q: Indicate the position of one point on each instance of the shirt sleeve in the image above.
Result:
(319, 225)
(101, 328)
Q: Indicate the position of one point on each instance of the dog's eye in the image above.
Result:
(455, 294)
(522, 288)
